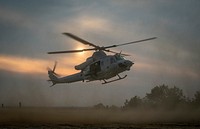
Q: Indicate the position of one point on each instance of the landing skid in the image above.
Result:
(105, 82)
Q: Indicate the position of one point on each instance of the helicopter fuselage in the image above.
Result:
(101, 68)
(106, 68)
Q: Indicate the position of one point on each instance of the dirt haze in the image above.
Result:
(90, 116)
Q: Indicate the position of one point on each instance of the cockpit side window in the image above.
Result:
(102, 63)
(112, 60)
(118, 57)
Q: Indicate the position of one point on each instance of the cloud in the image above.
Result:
(94, 23)
(22, 65)
(26, 65)
(83, 24)
(166, 69)
(19, 19)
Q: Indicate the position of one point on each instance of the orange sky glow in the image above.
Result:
(34, 66)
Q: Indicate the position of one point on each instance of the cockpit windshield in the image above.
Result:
(119, 57)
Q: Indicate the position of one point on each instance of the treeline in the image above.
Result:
(161, 97)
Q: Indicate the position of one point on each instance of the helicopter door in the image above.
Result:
(95, 67)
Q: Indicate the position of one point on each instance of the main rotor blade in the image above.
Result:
(116, 52)
(59, 52)
(80, 39)
(71, 51)
(130, 42)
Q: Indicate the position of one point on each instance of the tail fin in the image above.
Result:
(52, 75)
(53, 78)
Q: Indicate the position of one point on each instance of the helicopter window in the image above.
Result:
(118, 57)
(112, 60)
(102, 63)
(95, 67)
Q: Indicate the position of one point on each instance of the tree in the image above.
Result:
(133, 102)
(163, 96)
(99, 106)
(196, 99)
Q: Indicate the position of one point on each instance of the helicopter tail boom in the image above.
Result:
(67, 79)
(53, 78)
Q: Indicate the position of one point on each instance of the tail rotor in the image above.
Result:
(52, 75)
(54, 68)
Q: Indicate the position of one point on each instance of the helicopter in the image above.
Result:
(99, 66)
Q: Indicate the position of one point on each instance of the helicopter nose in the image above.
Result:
(126, 64)
(129, 63)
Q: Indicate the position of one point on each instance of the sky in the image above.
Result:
(29, 29)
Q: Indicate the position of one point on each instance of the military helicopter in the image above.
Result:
(99, 66)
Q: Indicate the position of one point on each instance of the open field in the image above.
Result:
(97, 118)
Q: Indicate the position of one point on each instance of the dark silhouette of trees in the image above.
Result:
(160, 97)
(196, 99)
(133, 102)
(163, 96)
(99, 106)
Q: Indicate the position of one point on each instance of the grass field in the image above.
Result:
(97, 118)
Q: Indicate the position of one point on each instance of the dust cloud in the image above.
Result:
(92, 116)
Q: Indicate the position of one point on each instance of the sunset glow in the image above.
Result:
(31, 66)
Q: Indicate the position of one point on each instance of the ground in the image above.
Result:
(77, 118)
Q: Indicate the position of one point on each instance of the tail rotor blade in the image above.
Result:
(55, 66)
(57, 74)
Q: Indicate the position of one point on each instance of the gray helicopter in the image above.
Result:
(99, 66)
